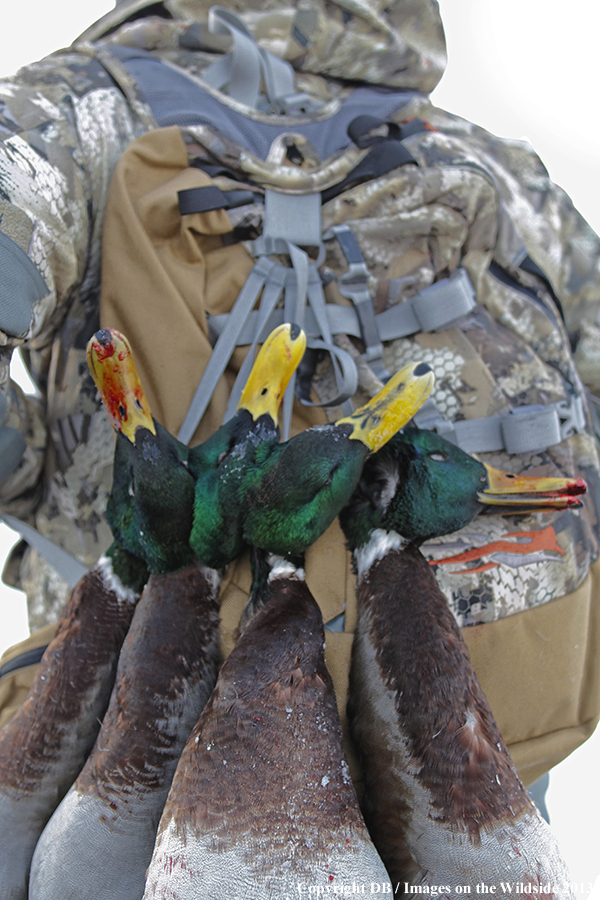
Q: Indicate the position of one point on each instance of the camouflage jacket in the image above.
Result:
(473, 199)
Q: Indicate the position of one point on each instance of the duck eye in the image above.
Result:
(439, 457)
(264, 391)
(332, 472)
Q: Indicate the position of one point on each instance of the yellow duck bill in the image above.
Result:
(395, 404)
(276, 362)
(112, 367)
(526, 492)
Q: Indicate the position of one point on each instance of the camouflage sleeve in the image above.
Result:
(63, 124)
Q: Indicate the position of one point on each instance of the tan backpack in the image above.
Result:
(428, 242)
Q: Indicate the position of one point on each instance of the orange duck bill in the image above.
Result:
(111, 363)
(531, 494)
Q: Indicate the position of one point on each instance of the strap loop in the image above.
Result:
(527, 429)
(242, 70)
(455, 294)
(397, 321)
(69, 567)
(210, 197)
(347, 383)
(524, 430)
(239, 70)
(295, 218)
(353, 284)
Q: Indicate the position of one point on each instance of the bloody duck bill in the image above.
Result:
(528, 493)
(111, 364)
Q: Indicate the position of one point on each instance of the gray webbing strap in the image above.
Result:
(292, 217)
(304, 283)
(454, 297)
(294, 306)
(594, 404)
(346, 374)
(272, 290)
(526, 429)
(65, 564)
(433, 308)
(439, 304)
(228, 340)
(12, 448)
(353, 284)
(278, 77)
(299, 283)
(242, 70)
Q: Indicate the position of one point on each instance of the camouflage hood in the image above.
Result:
(399, 43)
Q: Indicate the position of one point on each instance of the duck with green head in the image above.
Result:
(44, 746)
(443, 801)
(168, 663)
(293, 491)
(262, 797)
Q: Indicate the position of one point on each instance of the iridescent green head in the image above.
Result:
(422, 486)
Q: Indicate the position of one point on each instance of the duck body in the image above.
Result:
(44, 746)
(168, 665)
(100, 839)
(443, 801)
(260, 740)
(262, 799)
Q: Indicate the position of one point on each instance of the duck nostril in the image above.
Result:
(422, 369)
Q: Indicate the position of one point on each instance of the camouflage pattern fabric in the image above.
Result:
(65, 121)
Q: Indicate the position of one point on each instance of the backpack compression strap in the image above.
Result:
(241, 72)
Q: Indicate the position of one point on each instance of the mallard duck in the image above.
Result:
(279, 660)
(168, 663)
(45, 745)
(294, 491)
(262, 804)
(444, 804)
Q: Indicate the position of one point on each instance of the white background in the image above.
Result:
(521, 69)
